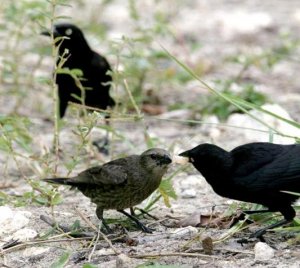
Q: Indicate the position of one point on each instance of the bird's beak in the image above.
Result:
(46, 33)
(166, 159)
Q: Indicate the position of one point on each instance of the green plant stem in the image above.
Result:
(54, 88)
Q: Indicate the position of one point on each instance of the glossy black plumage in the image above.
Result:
(94, 67)
(254, 172)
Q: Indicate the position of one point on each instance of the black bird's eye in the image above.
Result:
(69, 31)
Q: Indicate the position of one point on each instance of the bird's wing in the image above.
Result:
(278, 168)
(100, 65)
(254, 156)
(112, 173)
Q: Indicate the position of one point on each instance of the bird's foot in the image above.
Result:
(145, 229)
(259, 235)
(138, 223)
(238, 218)
(101, 145)
(106, 229)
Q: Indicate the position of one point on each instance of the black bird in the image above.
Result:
(95, 79)
(254, 172)
(121, 183)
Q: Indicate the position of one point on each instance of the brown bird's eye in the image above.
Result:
(153, 156)
(68, 31)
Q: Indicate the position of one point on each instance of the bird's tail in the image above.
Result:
(65, 181)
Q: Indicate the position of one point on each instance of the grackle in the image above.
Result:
(92, 87)
(255, 172)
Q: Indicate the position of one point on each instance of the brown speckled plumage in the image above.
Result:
(121, 183)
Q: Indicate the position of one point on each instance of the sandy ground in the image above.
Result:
(223, 29)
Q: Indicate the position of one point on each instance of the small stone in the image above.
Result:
(24, 234)
(192, 181)
(188, 193)
(186, 232)
(10, 221)
(263, 252)
(246, 121)
(35, 251)
(5, 215)
(183, 114)
(124, 261)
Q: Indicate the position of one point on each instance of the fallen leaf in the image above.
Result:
(215, 220)
(153, 109)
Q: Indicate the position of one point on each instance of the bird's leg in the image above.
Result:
(147, 213)
(102, 144)
(256, 211)
(262, 231)
(138, 223)
(241, 217)
(132, 211)
(99, 213)
(289, 214)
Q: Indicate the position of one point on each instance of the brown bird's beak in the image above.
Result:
(166, 159)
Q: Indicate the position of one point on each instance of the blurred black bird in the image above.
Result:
(77, 54)
(254, 172)
(121, 183)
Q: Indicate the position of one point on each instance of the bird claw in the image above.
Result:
(243, 241)
(258, 235)
(146, 229)
(102, 146)
(107, 230)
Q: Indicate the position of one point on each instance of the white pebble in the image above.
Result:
(186, 232)
(263, 252)
(188, 193)
(34, 251)
(10, 221)
(123, 261)
(6, 214)
(24, 234)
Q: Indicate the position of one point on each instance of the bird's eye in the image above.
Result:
(68, 31)
(153, 156)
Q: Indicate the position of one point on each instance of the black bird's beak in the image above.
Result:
(46, 33)
(186, 154)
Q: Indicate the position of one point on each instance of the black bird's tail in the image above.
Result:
(65, 181)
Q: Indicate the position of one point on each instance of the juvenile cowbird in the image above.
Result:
(121, 183)
(254, 172)
(94, 67)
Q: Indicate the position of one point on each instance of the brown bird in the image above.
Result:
(121, 183)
